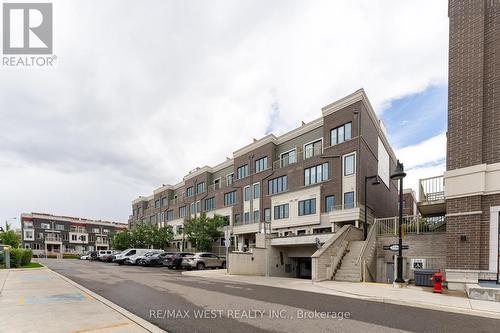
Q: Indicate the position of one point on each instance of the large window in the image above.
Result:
(256, 216)
(341, 134)
(242, 171)
(189, 192)
(229, 179)
(157, 203)
(267, 215)
(229, 198)
(256, 191)
(281, 212)
(164, 201)
(210, 203)
(313, 149)
(329, 203)
(45, 225)
(261, 164)
(349, 200)
(59, 226)
(237, 219)
(170, 215)
(196, 207)
(246, 193)
(277, 185)
(349, 165)
(307, 207)
(200, 187)
(246, 217)
(182, 211)
(289, 157)
(316, 174)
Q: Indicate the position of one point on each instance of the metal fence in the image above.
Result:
(414, 224)
(431, 189)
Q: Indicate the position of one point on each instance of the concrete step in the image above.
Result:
(351, 278)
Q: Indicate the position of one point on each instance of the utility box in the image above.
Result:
(423, 277)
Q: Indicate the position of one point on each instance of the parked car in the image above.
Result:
(202, 260)
(109, 257)
(175, 260)
(85, 257)
(124, 255)
(93, 255)
(135, 258)
(153, 260)
(102, 253)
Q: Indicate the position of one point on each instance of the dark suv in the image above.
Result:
(175, 260)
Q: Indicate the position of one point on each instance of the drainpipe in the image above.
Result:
(358, 154)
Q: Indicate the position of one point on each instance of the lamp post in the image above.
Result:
(365, 223)
(399, 174)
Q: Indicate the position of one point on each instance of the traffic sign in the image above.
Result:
(395, 247)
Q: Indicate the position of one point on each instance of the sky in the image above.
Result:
(143, 92)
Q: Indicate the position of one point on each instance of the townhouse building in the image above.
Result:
(304, 184)
(53, 234)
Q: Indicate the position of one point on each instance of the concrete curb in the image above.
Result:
(136, 319)
(422, 305)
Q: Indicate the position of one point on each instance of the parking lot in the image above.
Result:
(180, 303)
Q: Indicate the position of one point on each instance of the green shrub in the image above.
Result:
(70, 256)
(16, 257)
(51, 256)
(27, 255)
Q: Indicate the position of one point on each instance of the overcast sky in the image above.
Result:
(145, 91)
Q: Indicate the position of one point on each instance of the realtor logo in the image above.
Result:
(27, 28)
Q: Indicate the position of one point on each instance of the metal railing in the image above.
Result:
(431, 189)
(53, 238)
(412, 224)
(78, 229)
(299, 156)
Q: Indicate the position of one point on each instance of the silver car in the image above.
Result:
(202, 260)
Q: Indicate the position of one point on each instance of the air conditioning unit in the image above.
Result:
(417, 264)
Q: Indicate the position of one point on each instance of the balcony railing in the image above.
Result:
(431, 189)
(79, 230)
(297, 156)
(53, 238)
(413, 224)
(100, 241)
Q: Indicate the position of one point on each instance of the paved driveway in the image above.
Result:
(179, 303)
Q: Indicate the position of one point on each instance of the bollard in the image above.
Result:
(7, 258)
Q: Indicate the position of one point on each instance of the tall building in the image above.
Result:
(53, 234)
(309, 181)
(472, 177)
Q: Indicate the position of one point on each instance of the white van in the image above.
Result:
(133, 259)
(121, 257)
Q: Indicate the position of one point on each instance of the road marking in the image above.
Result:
(99, 328)
(235, 287)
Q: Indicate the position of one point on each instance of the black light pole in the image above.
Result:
(399, 174)
(365, 224)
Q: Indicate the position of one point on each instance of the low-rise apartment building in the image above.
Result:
(306, 182)
(52, 234)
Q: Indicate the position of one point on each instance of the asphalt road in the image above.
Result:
(180, 303)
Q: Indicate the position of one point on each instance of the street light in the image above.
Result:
(376, 181)
(399, 174)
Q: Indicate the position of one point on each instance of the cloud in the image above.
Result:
(144, 92)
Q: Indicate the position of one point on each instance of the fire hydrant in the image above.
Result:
(438, 280)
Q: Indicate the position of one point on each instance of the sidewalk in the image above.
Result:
(378, 292)
(40, 300)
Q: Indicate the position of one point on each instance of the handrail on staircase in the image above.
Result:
(369, 238)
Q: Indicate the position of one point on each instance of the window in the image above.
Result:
(267, 214)
(28, 224)
(59, 226)
(217, 184)
(96, 230)
(74, 237)
(189, 191)
(246, 193)
(242, 171)
(161, 217)
(341, 134)
(261, 164)
(152, 219)
(182, 211)
(170, 215)
(196, 207)
(237, 219)
(322, 230)
(316, 174)
(29, 234)
(289, 157)
(157, 203)
(229, 198)
(45, 225)
(313, 149)
(277, 185)
(349, 165)
(256, 191)
(281, 212)
(329, 203)
(301, 232)
(307, 207)
(200, 187)
(349, 200)
(210, 203)
(164, 201)
(246, 217)
(140, 211)
(229, 179)
(256, 216)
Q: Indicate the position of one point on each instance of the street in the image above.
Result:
(180, 303)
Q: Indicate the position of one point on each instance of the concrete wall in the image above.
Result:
(248, 263)
(429, 246)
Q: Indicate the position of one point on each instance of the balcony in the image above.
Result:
(431, 201)
(100, 241)
(411, 225)
(301, 240)
(53, 238)
(342, 213)
(297, 155)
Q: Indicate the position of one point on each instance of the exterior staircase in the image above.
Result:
(349, 268)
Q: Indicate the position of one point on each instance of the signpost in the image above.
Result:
(227, 242)
(395, 247)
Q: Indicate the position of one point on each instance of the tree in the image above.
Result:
(121, 240)
(142, 235)
(162, 237)
(203, 231)
(9, 236)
